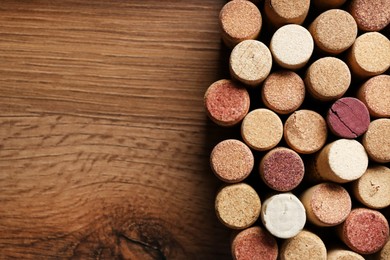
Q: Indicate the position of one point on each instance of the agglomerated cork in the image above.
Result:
(283, 91)
(231, 161)
(292, 46)
(283, 215)
(365, 231)
(226, 102)
(373, 188)
(371, 15)
(239, 20)
(376, 140)
(237, 206)
(282, 169)
(343, 254)
(305, 245)
(348, 117)
(334, 31)
(254, 243)
(326, 204)
(384, 253)
(342, 161)
(281, 12)
(369, 55)
(321, 81)
(328, 4)
(375, 94)
(305, 131)
(262, 129)
(250, 62)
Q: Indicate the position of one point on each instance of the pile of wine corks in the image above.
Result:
(305, 173)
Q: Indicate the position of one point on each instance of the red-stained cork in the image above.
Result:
(282, 169)
(365, 231)
(348, 118)
(226, 102)
(371, 15)
(254, 243)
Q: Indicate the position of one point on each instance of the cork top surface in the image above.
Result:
(292, 46)
(365, 231)
(231, 160)
(330, 203)
(372, 52)
(321, 81)
(283, 91)
(375, 93)
(240, 19)
(305, 131)
(342, 254)
(237, 206)
(384, 254)
(262, 129)
(226, 102)
(373, 188)
(305, 245)
(250, 62)
(290, 9)
(371, 15)
(377, 140)
(254, 243)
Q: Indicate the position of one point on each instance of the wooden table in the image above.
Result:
(104, 139)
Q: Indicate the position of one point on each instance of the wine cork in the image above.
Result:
(254, 243)
(365, 231)
(328, 4)
(373, 188)
(250, 62)
(384, 253)
(281, 12)
(305, 245)
(283, 91)
(262, 129)
(334, 31)
(237, 206)
(283, 215)
(226, 102)
(377, 140)
(348, 118)
(369, 55)
(305, 131)
(239, 20)
(375, 94)
(342, 161)
(326, 204)
(371, 15)
(292, 46)
(343, 254)
(282, 169)
(231, 161)
(321, 81)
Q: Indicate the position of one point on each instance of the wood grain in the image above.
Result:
(104, 139)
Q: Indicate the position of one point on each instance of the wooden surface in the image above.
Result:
(104, 140)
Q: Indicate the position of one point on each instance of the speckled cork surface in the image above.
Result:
(343, 254)
(281, 12)
(371, 15)
(384, 253)
(283, 91)
(376, 140)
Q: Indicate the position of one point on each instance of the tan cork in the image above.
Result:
(371, 15)
(281, 12)
(384, 253)
(343, 254)
(376, 140)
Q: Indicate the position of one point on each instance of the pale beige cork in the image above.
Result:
(239, 20)
(371, 15)
(281, 12)
(305, 245)
(262, 129)
(375, 94)
(343, 254)
(369, 55)
(384, 253)
(237, 206)
(376, 140)
(373, 188)
(250, 62)
(341, 161)
(326, 204)
(305, 131)
(328, 4)
(334, 31)
(283, 91)
(292, 46)
(321, 82)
